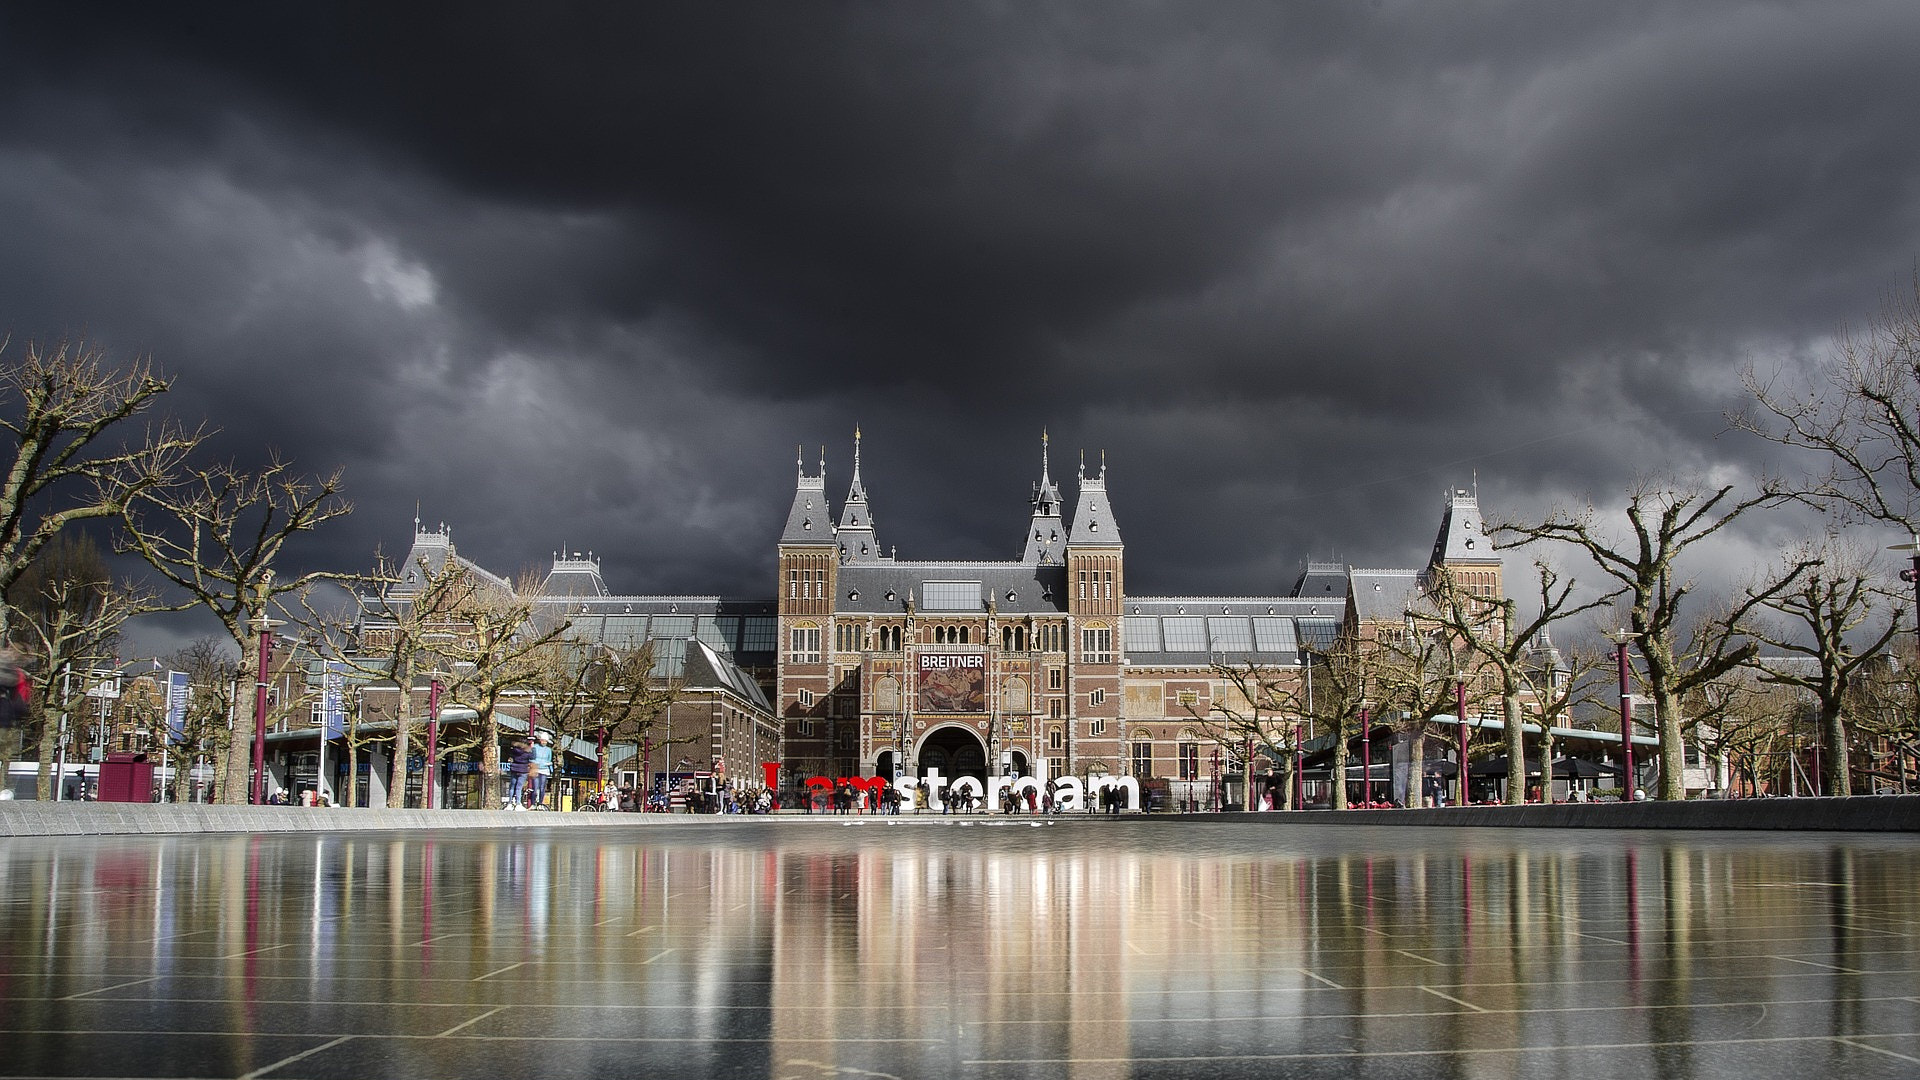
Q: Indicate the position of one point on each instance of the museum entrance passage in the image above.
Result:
(955, 751)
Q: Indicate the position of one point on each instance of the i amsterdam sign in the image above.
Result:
(1068, 793)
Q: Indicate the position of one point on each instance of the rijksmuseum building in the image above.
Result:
(867, 664)
(1043, 664)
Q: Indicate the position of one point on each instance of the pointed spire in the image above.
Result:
(1046, 540)
(1093, 524)
(855, 533)
(808, 521)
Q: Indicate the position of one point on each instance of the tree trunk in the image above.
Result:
(1672, 750)
(1417, 789)
(1516, 740)
(1833, 732)
(490, 793)
(402, 728)
(49, 749)
(235, 786)
(1546, 762)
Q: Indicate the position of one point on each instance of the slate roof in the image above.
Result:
(1093, 524)
(1463, 536)
(1385, 594)
(810, 520)
(1013, 588)
(1195, 631)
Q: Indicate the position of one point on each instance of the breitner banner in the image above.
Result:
(953, 682)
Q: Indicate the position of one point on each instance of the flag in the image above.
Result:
(177, 706)
(335, 684)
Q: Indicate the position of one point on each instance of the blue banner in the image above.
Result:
(334, 699)
(177, 706)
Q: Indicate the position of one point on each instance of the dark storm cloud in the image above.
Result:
(584, 277)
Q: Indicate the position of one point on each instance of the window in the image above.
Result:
(848, 637)
(1056, 678)
(803, 728)
(1096, 697)
(1185, 633)
(804, 697)
(1096, 645)
(1190, 761)
(1056, 708)
(1056, 768)
(317, 714)
(1056, 739)
(1143, 759)
(1097, 726)
(1109, 595)
(950, 595)
(803, 644)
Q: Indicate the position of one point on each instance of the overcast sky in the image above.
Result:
(585, 278)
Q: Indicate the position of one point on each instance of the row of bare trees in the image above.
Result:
(91, 451)
(1800, 651)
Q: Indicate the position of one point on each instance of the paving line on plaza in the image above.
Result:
(471, 1020)
(502, 971)
(243, 953)
(104, 989)
(1817, 964)
(1338, 1055)
(642, 930)
(284, 1062)
(1845, 1040)
(1455, 1000)
(1320, 978)
(1417, 956)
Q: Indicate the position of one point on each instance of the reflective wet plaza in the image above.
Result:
(814, 948)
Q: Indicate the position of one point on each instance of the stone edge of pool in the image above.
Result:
(1874, 813)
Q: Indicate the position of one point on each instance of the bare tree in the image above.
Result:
(1663, 522)
(497, 653)
(1419, 670)
(206, 728)
(67, 611)
(1859, 412)
(1505, 647)
(219, 536)
(1839, 618)
(68, 407)
(1248, 706)
(601, 694)
(1885, 706)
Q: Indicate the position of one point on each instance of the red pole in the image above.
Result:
(260, 717)
(1366, 759)
(1626, 722)
(1460, 707)
(433, 739)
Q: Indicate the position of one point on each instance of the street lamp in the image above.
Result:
(1460, 711)
(428, 782)
(1366, 758)
(1620, 638)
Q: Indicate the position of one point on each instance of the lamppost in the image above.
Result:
(429, 781)
(1460, 711)
(1621, 638)
(265, 626)
(1910, 575)
(1366, 758)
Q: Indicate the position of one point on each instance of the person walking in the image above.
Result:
(519, 759)
(542, 769)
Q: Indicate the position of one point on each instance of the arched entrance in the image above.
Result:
(953, 750)
(884, 765)
(1019, 764)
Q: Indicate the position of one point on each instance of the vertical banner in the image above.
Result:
(177, 706)
(334, 699)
